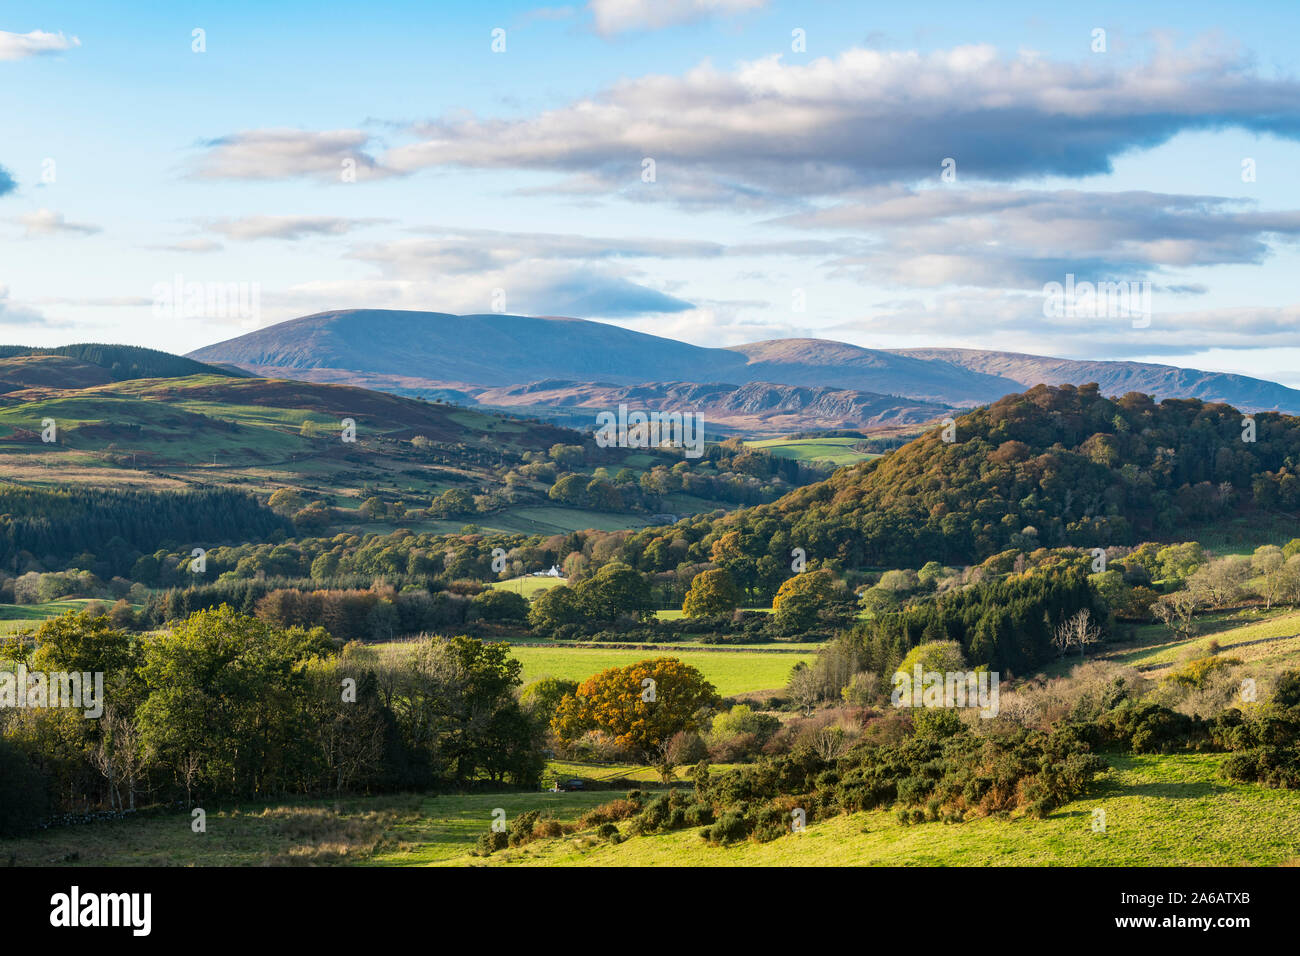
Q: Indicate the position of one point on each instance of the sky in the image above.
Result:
(717, 171)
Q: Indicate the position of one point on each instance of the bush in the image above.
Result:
(492, 841)
(619, 809)
(730, 828)
(685, 747)
(23, 791)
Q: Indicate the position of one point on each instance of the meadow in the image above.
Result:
(1159, 811)
(731, 670)
(827, 451)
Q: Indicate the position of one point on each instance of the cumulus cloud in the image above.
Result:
(12, 313)
(618, 16)
(46, 222)
(1009, 238)
(19, 46)
(786, 131)
(1014, 321)
(287, 227)
(535, 289)
(287, 153)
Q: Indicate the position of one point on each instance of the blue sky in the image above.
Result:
(782, 176)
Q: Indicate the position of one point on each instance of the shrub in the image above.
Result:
(23, 799)
(492, 841)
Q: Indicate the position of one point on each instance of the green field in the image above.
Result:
(676, 614)
(1254, 636)
(1159, 811)
(731, 672)
(831, 451)
(528, 585)
(21, 617)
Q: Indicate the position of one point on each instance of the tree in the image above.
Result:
(452, 502)
(1177, 611)
(554, 608)
(615, 591)
(224, 686)
(800, 598)
(1221, 581)
(1269, 563)
(711, 592)
(941, 656)
(640, 705)
(542, 697)
(285, 501)
(496, 604)
(1076, 631)
(462, 712)
(23, 800)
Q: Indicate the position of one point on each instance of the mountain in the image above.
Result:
(1119, 378)
(413, 350)
(1053, 466)
(458, 358)
(756, 408)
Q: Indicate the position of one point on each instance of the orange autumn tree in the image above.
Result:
(638, 715)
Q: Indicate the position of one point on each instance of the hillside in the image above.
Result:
(758, 408)
(431, 466)
(1051, 466)
(437, 354)
(1120, 378)
(95, 363)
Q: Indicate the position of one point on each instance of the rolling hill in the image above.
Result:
(756, 408)
(435, 353)
(92, 363)
(1120, 378)
(1053, 466)
(66, 422)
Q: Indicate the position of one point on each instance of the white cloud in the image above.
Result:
(772, 131)
(618, 16)
(46, 222)
(12, 313)
(1009, 238)
(287, 227)
(284, 153)
(19, 46)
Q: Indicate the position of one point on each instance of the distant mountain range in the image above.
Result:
(555, 365)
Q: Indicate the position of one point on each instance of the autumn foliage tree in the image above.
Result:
(712, 592)
(801, 597)
(640, 705)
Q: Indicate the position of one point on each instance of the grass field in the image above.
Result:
(676, 614)
(731, 672)
(830, 451)
(1165, 811)
(528, 585)
(20, 617)
(1168, 811)
(1254, 636)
